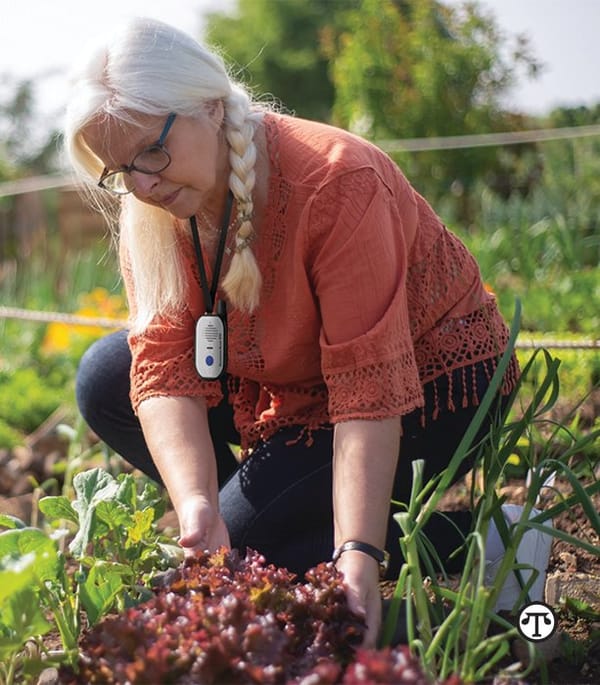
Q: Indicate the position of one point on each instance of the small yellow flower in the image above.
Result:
(62, 337)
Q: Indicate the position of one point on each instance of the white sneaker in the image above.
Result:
(533, 551)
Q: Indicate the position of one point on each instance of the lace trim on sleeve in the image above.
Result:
(157, 379)
(375, 391)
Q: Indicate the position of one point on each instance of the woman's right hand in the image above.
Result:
(178, 437)
(201, 526)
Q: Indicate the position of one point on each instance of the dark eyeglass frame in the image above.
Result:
(127, 169)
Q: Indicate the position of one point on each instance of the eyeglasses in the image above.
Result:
(151, 160)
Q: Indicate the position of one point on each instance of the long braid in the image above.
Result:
(243, 280)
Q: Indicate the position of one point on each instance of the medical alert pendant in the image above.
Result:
(211, 346)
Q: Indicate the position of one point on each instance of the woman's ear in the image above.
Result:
(216, 112)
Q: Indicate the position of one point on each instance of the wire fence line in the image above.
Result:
(99, 322)
(34, 184)
(435, 143)
(438, 143)
(60, 317)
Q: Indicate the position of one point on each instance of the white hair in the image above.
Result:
(151, 68)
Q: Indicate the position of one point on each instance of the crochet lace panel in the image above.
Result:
(275, 219)
(440, 274)
(460, 342)
(381, 373)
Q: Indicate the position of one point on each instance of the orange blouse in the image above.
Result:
(366, 296)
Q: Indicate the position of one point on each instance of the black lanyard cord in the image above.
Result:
(210, 295)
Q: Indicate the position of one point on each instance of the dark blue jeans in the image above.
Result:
(278, 501)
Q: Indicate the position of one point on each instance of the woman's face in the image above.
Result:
(197, 175)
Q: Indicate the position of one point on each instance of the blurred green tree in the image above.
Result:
(276, 45)
(420, 68)
(392, 69)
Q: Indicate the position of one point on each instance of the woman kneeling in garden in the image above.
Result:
(289, 292)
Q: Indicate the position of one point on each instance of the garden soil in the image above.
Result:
(575, 656)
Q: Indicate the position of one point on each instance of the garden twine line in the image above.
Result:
(100, 322)
(59, 317)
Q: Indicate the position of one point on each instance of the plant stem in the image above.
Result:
(12, 665)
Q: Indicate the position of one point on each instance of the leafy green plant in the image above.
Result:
(581, 608)
(116, 549)
(33, 582)
(54, 277)
(544, 246)
(116, 542)
(37, 365)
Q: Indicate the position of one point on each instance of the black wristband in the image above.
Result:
(381, 556)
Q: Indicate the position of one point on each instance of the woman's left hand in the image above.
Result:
(361, 576)
(365, 455)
